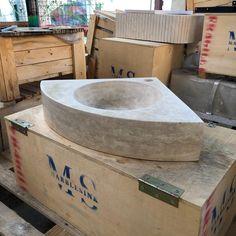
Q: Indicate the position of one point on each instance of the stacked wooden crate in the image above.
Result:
(27, 58)
(147, 43)
(101, 25)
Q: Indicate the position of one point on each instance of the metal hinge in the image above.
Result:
(161, 190)
(21, 125)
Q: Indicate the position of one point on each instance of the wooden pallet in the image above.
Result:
(7, 181)
(101, 25)
(33, 58)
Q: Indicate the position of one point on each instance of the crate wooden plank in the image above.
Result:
(8, 67)
(3, 91)
(57, 231)
(79, 62)
(36, 42)
(91, 31)
(192, 4)
(96, 207)
(106, 23)
(34, 56)
(12, 224)
(30, 72)
(100, 33)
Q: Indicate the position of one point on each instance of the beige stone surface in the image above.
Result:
(138, 118)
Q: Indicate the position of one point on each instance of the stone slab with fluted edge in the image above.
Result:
(138, 118)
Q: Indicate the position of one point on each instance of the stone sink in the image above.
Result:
(137, 118)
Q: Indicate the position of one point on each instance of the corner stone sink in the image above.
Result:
(138, 118)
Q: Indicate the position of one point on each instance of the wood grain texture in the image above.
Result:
(36, 42)
(91, 31)
(57, 231)
(130, 56)
(106, 23)
(100, 33)
(34, 72)
(8, 70)
(34, 56)
(79, 61)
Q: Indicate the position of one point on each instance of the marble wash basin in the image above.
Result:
(138, 118)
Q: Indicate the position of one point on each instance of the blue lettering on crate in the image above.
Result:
(85, 188)
(232, 40)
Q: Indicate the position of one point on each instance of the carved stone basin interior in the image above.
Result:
(117, 95)
(138, 118)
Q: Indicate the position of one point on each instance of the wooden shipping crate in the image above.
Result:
(31, 58)
(218, 50)
(99, 193)
(132, 58)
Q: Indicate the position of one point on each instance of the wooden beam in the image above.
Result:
(79, 62)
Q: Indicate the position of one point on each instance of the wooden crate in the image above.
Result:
(192, 4)
(99, 193)
(32, 58)
(101, 26)
(133, 58)
(218, 50)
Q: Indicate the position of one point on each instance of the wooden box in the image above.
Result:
(192, 4)
(25, 59)
(128, 58)
(218, 50)
(104, 195)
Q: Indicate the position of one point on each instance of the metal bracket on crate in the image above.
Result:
(161, 190)
(217, 9)
(21, 125)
